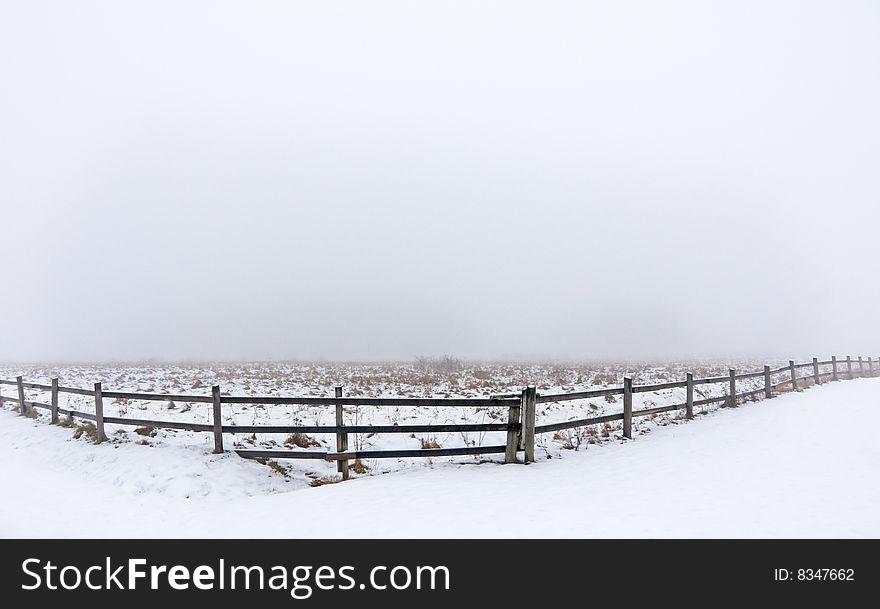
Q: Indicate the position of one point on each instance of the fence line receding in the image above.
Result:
(520, 427)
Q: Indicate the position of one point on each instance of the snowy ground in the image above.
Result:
(800, 465)
(440, 378)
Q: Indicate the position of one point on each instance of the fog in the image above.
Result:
(353, 180)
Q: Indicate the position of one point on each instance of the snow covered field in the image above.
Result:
(800, 465)
(432, 378)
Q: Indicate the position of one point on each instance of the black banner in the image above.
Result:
(435, 572)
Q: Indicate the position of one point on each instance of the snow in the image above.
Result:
(799, 465)
(401, 379)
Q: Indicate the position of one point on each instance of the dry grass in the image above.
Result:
(429, 442)
(324, 480)
(88, 430)
(30, 413)
(275, 466)
(301, 440)
(358, 467)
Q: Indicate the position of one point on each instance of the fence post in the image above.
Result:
(22, 408)
(341, 437)
(627, 408)
(768, 391)
(870, 366)
(99, 412)
(816, 376)
(690, 395)
(849, 367)
(528, 418)
(732, 374)
(514, 428)
(861, 367)
(833, 367)
(54, 401)
(217, 420)
(793, 375)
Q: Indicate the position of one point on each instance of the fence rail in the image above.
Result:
(520, 427)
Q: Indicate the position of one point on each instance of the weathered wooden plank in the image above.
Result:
(749, 375)
(529, 414)
(768, 388)
(54, 401)
(370, 454)
(689, 404)
(816, 378)
(76, 391)
(159, 397)
(549, 427)
(732, 387)
(22, 406)
(423, 453)
(793, 375)
(368, 429)
(658, 386)
(159, 424)
(99, 413)
(77, 414)
(627, 408)
(37, 386)
(217, 419)
(658, 409)
(578, 395)
(250, 453)
(711, 380)
(359, 401)
(514, 430)
(833, 367)
(341, 436)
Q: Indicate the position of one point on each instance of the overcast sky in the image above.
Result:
(374, 180)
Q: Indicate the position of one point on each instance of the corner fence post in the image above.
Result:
(732, 373)
(217, 420)
(99, 412)
(341, 437)
(22, 407)
(849, 367)
(514, 428)
(627, 408)
(690, 395)
(54, 401)
(768, 390)
(833, 367)
(793, 375)
(528, 418)
(816, 378)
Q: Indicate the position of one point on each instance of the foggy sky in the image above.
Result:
(233, 180)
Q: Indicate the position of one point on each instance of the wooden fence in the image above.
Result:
(520, 427)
